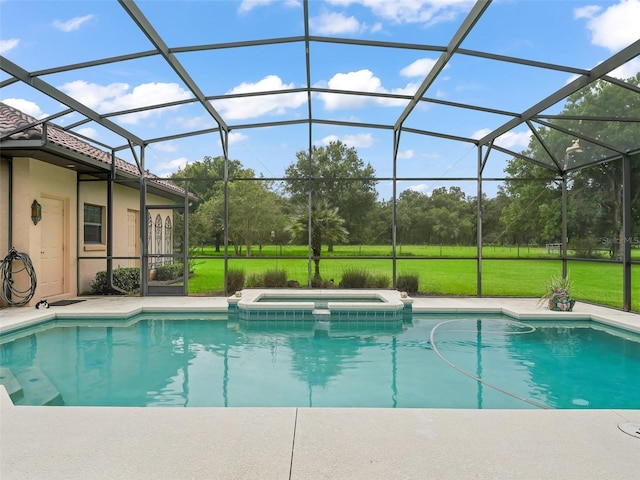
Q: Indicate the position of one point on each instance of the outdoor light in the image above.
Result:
(574, 148)
(36, 212)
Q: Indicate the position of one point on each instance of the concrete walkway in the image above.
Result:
(313, 443)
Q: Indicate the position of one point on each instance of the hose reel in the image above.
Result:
(15, 266)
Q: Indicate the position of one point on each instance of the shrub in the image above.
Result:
(127, 279)
(354, 278)
(235, 280)
(169, 272)
(379, 280)
(254, 280)
(407, 283)
(275, 279)
(587, 247)
(191, 263)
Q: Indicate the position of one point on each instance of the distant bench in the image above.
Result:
(554, 247)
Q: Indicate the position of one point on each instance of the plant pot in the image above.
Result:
(561, 302)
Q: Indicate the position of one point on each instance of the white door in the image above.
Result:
(51, 275)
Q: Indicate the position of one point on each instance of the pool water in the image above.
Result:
(320, 299)
(477, 362)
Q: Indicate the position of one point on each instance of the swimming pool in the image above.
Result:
(475, 361)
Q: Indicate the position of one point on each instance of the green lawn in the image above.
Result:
(442, 271)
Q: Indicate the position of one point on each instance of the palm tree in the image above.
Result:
(326, 225)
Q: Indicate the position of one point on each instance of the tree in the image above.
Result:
(337, 175)
(604, 181)
(326, 225)
(206, 176)
(594, 193)
(254, 212)
(534, 202)
(446, 217)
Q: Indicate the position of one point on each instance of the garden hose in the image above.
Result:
(9, 293)
(529, 329)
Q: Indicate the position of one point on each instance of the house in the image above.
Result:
(56, 191)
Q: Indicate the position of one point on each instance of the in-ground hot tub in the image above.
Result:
(320, 305)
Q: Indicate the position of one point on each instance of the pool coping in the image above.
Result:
(249, 299)
(121, 307)
(314, 443)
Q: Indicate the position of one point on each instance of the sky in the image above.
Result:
(40, 35)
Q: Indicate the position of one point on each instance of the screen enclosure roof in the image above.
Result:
(425, 81)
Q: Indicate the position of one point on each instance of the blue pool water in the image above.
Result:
(443, 361)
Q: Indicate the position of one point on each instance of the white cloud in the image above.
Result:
(361, 81)
(92, 94)
(8, 44)
(363, 140)
(412, 11)
(407, 154)
(236, 138)
(199, 122)
(421, 188)
(167, 167)
(508, 139)
(119, 96)
(73, 24)
(614, 28)
(26, 106)
(327, 140)
(627, 70)
(250, 107)
(334, 24)
(586, 12)
(419, 68)
(88, 132)
(248, 5)
(168, 147)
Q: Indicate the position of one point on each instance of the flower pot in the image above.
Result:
(561, 302)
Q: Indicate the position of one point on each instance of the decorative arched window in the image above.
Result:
(149, 233)
(168, 237)
(158, 235)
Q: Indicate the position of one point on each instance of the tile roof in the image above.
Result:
(29, 129)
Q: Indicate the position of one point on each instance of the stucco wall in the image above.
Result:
(37, 180)
(33, 180)
(126, 201)
(4, 207)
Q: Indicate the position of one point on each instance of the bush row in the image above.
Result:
(169, 272)
(128, 278)
(351, 278)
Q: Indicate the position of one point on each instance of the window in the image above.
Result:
(92, 224)
(158, 235)
(167, 235)
(149, 233)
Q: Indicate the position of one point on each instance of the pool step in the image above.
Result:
(30, 386)
(11, 384)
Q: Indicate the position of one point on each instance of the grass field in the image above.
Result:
(506, 271)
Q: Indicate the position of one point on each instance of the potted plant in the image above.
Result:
(557, 296)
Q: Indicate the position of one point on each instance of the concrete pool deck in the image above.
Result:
(313, 443)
